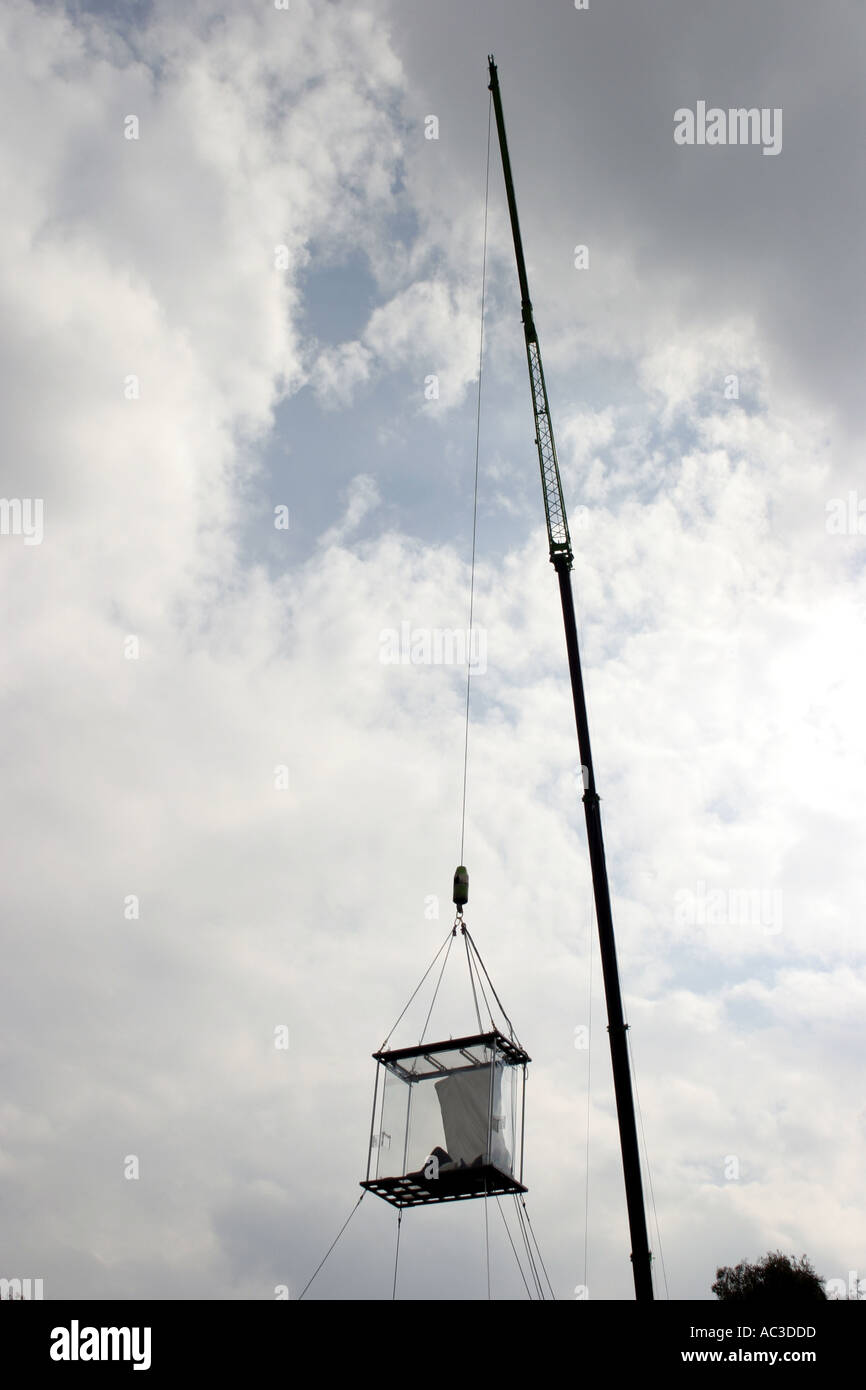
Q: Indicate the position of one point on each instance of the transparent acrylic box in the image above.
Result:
(448, 1121)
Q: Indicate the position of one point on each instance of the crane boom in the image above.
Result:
(554, 503)
(562, 559)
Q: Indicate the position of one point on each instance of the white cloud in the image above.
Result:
(427, 329)
(722, 663)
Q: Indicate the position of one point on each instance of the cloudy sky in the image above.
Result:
(233, 265)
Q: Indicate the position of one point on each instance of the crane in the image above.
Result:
(562, 559)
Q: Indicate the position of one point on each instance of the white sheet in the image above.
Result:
(464, 1099)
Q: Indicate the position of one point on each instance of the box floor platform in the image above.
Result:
(414, 1189)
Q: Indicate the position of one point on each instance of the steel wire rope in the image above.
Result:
(492, 988)
(487, 1007)
(436, 990)
(449, 937)
(537, 1246)
(487, 1238)
(475, 499)
(397, 1253)
(532, 1268)
(514, 1248)
(331, 1246)
(472, 982)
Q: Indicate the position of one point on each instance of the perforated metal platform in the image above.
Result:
(414, 1189)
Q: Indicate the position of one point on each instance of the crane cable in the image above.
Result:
(475, 500)
(487, 1239)
(447, 942)
(397, 1252)
(436, 990)
(477, 955)
(467, 938)
(537, 1246)
(514, 1248)
(472, 982)
(532, 1265)
(331, 1246)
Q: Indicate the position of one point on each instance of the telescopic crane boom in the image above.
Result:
(562, 559)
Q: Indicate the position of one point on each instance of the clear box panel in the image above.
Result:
(411, 1126)
(445, 1110)
(507, 1119)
